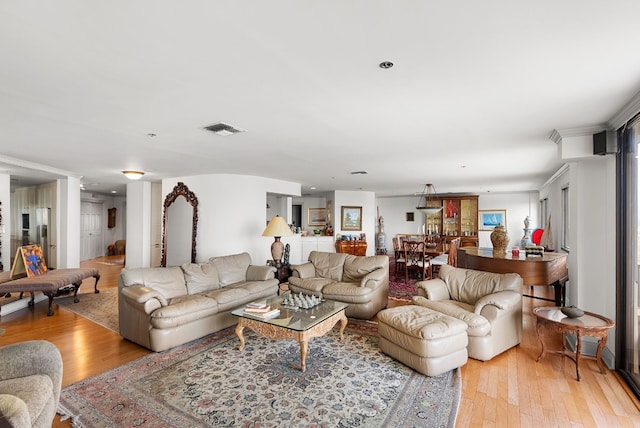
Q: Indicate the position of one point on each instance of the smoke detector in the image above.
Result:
(223, 129)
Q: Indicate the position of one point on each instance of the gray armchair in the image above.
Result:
(30, 383)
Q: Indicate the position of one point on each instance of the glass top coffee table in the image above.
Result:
(297, 324)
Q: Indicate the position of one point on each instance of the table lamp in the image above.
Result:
(277, 228)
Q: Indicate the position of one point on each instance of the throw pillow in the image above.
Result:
(200, 277)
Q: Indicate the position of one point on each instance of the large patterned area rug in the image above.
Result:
(209, 382)
(101, 308)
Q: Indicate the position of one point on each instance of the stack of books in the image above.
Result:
(261, 310)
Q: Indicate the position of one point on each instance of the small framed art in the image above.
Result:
(317, 216)
(489, 219)
(351, 218)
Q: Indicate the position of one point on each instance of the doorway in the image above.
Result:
(91, 245)
(296, 215)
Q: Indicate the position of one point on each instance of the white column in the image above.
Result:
(5, 238)
(138, 224)
(68, 201)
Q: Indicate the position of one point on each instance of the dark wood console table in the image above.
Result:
(550, 269)
(356, 248)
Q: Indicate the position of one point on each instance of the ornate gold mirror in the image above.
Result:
(179, 227)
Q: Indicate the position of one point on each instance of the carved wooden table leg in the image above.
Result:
(601, 344)
(540, 334)
(578, 352)
(239, 329)
(303, 355)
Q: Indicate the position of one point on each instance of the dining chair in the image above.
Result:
(416, 259)
(398, 255)
(448, 258)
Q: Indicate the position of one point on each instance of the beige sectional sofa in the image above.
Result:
(489, 303)
(362, 282)
(160, 308)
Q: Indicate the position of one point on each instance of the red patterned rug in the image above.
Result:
(398, 288)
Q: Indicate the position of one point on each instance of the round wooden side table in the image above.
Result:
(551, 319)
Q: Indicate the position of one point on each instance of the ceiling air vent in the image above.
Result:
(223, 129)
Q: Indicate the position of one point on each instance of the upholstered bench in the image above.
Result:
(425, 340)
(49, 283)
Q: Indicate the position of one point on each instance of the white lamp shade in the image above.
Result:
(277, 227)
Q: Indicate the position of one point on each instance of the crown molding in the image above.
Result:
(558, 134)
(37, 166)
(630, 109)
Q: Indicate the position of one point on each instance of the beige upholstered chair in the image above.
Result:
(30, 382)
(490, 304)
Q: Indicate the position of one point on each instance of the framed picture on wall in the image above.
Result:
(317, 216)
(489, 219)
(351, 218)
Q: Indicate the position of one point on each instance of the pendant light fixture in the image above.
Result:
(428, 202)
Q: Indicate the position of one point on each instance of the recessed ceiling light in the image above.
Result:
(386, 64)
(114, 191)
(312, 188)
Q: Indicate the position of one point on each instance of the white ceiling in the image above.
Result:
(476, 90)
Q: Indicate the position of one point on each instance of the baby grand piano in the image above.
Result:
(550, 269)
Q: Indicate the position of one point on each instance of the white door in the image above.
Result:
(91, 245)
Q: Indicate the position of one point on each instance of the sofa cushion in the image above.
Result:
(357, 267)
(182, 310)
(328, 265)
(477, 324)
(312, 285)
(200, 277)
(167, 281)
(347, 292)
(231, 269)
(231, 297)
(34, 390)
(468, 285)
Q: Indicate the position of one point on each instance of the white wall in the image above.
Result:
(592, 256)
(231, 213)
(366, 200)
(518, 205)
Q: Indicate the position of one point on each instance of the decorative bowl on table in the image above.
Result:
(572, 311)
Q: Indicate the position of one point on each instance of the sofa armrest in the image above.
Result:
(260, 273)
(30, 358)
(504, 301)
(433, 289)
(303, 271)
(374, 279)
(139, 294)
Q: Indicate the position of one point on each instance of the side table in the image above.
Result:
(283, 288)
(551, 319)
(283, 272)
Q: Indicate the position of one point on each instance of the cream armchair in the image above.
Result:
(490, 304)
(30, 382)
(362, 282)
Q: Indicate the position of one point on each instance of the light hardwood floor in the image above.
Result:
(510, 390)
